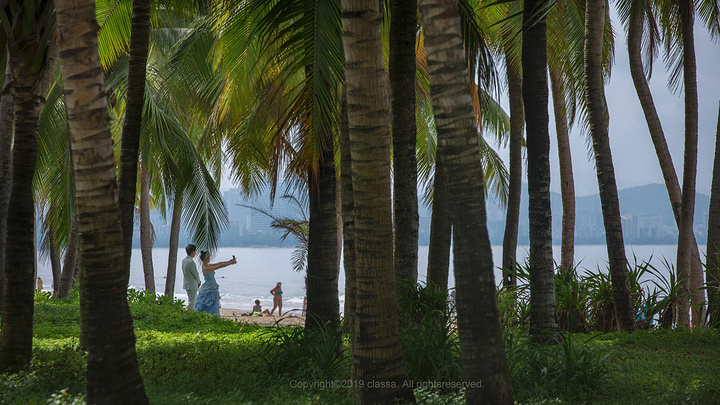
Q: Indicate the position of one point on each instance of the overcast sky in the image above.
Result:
(633, 152)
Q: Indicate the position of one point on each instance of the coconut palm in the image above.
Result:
(713, 240)
(483, 355)
(113, 375)
(7, 120)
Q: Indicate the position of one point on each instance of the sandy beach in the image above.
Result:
(237, 316)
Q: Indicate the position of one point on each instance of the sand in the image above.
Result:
(237, 316)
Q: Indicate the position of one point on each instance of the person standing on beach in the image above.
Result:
(191, 278)
(277, 298)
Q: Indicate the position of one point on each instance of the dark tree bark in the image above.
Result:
(112, 368)
(323, 261)
(567, 183)
(713, 239)
(598, 117)
(7, 121)
(482, 347)
(146, 233)
(69, 272)
(685, 233)
(403, 25)
(348, 217)
(55, 264)
(139, 43)
(543, 309)
(173, 243)
(512, 216)
(440, 233)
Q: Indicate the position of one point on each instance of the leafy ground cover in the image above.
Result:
(189, 357)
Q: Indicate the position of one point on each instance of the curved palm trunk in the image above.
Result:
(567, 183)
(323, 261)
(7, 121)
(713, 239)
(481, 343)
(440, 233)
(689, 162)
(139, 43)
(598, 117)
(173, 243)
(348, 218)
(512, 216)
(403, 25)
(377, 354)
(635, 32)
(112, 369)
(146, 232)
(30, 90)
(55, 264)
(543, 309)
(69, 272)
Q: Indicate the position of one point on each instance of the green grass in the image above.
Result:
(187, 357)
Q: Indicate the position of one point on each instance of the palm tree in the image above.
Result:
(483, 355)
(348, 218)
(403, 26)
(595, 11)
(535, 99)
(112, 370)
(32, 63)
(368, 118)
(7, 121)
(147, 236)
(713, 240)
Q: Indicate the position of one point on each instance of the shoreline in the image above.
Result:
(237, 315)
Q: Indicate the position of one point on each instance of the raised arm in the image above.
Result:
(215, 266)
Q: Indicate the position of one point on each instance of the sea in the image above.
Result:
(258, 269)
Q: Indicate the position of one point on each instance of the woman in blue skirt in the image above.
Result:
(208, 298)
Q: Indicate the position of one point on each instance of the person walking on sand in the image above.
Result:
(191, 278)
(208, 299)
(277, 298)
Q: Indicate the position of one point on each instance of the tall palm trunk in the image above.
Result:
(69, 272)
(139, 43)
(7, 121)
(689, 162)
(112, 369)
(348, 217)
(512, 216)
(440, 232)
(481, 344)
(403, 25)
(543, 318)
(30, 90)
(567, 183)
(713, 239)
(635, 34)
(376, 324)
(146, 232)
(55, 262)
(598, 116)
(173, 243)
(323, 261)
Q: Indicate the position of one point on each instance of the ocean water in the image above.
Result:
(258, 269)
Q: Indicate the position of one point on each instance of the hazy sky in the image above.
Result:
(633, 152)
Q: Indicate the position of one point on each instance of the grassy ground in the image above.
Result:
(195, 358)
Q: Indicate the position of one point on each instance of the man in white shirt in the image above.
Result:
(191, 278)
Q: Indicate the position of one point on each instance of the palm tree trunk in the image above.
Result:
(55, 264)
(440, 233)
(173, 243)
(543, 309)
(376, 315)
(323, 261)
(139, 43)
(567, 183)
(146, 232)
(598, 117)
(112, 369)
(7, 121)
(482, 347)
(348, 217)
(20, 267)
(635, 33)
(713, 239)
(69, 273)
(689, 163)
(512, 216)
(403, 25)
